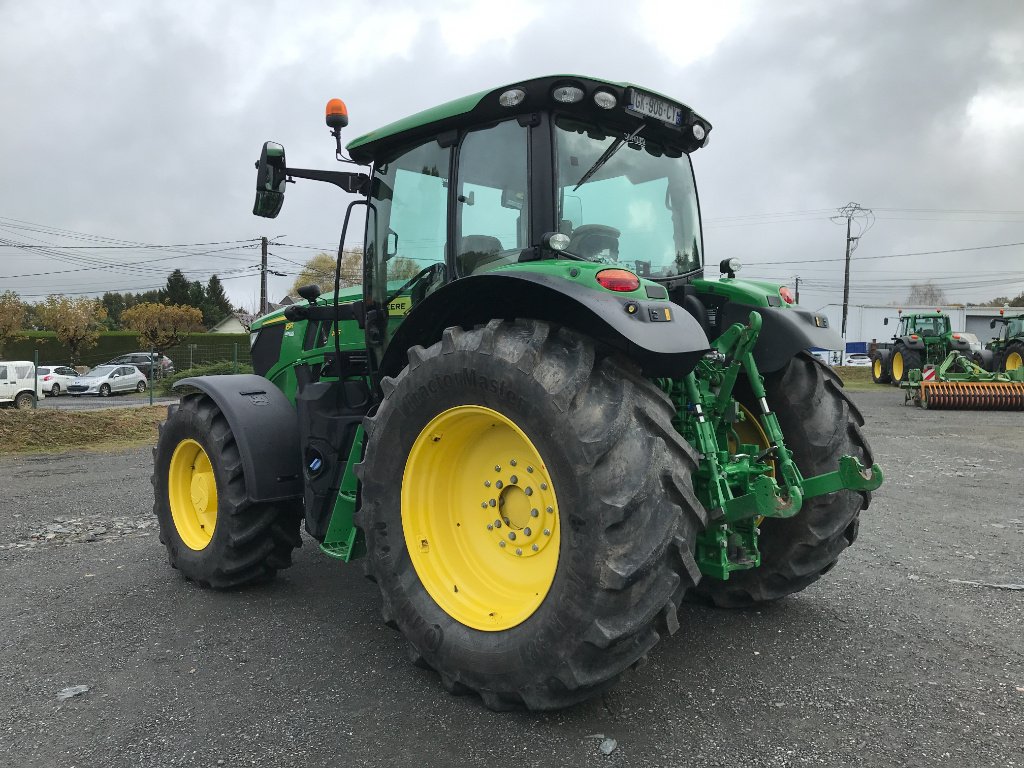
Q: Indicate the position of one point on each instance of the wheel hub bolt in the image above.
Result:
(513, 462)
(519, 551)
(497, 523)
(511, 535)
(550, 510)
(513, 479)
(534, 547)
(490, 526)
(543, 486)
(528, 491)
(483, 504)
(497, 468)
(547, 532)
(534, 512)
(529, 469)
(493, 503)
(527, 531)
(501, 543)
(487, 483)
(506, 521)
(499, 484)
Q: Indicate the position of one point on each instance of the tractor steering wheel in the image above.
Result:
(437, 267)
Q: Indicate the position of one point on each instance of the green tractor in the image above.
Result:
(1007, 348)
(923, 338)
(553, 429)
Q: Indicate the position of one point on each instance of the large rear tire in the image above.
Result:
(902, 362)
(212, 533)
(1013, 356)
(613, 479)
(820, 424)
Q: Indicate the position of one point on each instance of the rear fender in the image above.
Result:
(265, 428)
(909, 343)
(660, 347)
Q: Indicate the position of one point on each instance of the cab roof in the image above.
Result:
(483, 107)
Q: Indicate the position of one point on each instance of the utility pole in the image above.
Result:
(798, 289)
(865, 219)
(263, 281)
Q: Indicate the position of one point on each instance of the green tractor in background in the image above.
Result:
(1007, 348)
(552, 432)
(923, 338)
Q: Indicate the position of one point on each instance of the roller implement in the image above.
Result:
(959, 383)
(536, 423)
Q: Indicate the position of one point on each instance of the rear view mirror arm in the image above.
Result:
(358, 183)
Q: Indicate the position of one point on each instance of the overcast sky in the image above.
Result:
(140, 122)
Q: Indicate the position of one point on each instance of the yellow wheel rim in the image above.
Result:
(192, 493)
(1013, 361)
(480, 518)
(897, 366)
(877, 368)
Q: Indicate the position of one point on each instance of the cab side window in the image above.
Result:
(492, 215)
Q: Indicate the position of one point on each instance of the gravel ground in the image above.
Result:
(905, 654)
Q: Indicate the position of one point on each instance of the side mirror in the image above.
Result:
(271, 175)
(992, 324)
(310, 292)
(885, 321)
(391, 245)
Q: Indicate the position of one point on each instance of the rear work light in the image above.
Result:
(618, 280)
(786, 295)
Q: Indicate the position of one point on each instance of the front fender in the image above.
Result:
(265, 428)
(784, 332)
(665, 347)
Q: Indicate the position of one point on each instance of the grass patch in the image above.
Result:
(45, 431)
(858, 378)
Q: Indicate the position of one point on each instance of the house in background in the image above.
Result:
(237, 322)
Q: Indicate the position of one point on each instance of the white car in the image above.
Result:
(106, 380)
(56, 378)
(857, 359)
(17, 382)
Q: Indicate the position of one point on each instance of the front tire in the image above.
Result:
(820, 424)
(104, 390)
(880, 373)
(141, 387)
(612, 477)
(24, 400)
(212, 533)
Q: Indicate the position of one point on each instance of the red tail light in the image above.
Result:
(618, 280)
(786, 295)
(913, 336)
(47, 377)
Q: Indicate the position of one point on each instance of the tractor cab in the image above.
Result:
(561, 174)
(929, 325)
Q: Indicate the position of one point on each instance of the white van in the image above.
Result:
(17, 381)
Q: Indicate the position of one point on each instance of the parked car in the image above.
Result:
(105, 380)
(146, 362)
(56, 378)
(17, 383)
(857, 359)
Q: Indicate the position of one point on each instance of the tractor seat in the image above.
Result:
(477, 250)
(595, 241)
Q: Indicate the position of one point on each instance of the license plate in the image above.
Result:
(652, 106)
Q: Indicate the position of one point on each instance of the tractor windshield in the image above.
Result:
(627, 200)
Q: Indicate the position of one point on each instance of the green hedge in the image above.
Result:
(164, 386)
(197, 348)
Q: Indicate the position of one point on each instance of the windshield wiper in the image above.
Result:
(612, 149)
